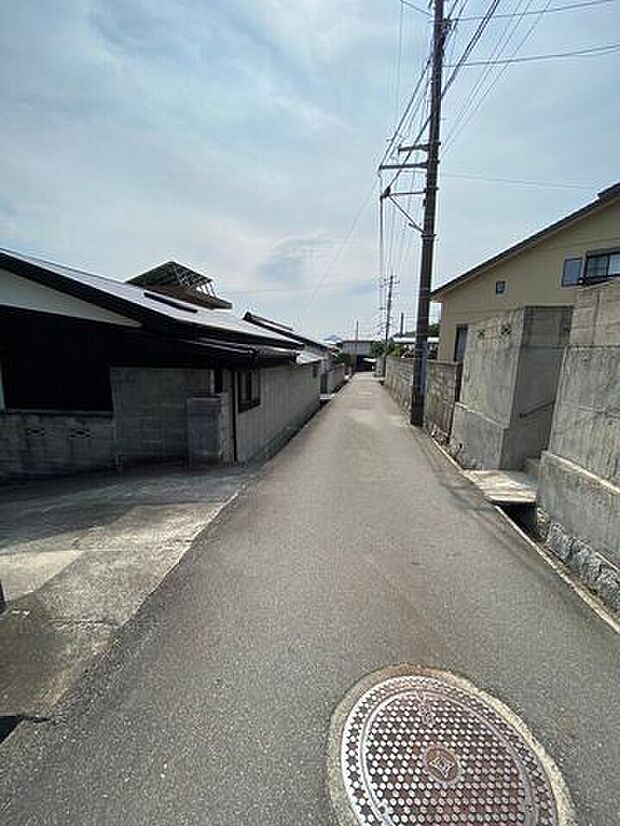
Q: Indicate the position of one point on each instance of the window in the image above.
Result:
(460, 342)
(601, 266)
(500, 287)
(249, 389)
(571, 274)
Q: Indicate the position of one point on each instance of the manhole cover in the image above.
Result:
(420, 749)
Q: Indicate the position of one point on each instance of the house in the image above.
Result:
(360, 350)
(331, 371)
(98, 373)
(547, 269)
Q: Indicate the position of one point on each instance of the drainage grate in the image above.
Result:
(8, 723)
(418, 750)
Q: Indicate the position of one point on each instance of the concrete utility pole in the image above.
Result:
(388, 313)
(428, 229)
(357, 335)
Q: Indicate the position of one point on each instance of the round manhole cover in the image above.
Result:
(429, 749)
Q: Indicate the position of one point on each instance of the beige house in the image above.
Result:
(548, 268)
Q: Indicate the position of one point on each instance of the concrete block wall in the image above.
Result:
(289, 397)
(150, 410)
(398, 377)
(579, 486)
(226, 425)
(34, 444)
(442, 387)
(332, 379)
(509, 383)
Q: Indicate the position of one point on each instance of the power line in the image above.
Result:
(510, 29)
(569, 7)
(595, 50)
(514, 181)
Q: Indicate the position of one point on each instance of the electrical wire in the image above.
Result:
(516, 181)
(464, 116)
(594, 51)
(568, 7)
(506, 35)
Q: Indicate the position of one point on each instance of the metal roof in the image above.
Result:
(284, 329)
(137, 302)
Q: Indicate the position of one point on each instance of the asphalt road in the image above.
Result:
(359, 546)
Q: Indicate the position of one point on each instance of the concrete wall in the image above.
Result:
(533, 277)
(579, 485)
(289, 396)
(443, 379)
(41, 444)
(333, 378)
(150, 410)
(510, 376)
(398, 376)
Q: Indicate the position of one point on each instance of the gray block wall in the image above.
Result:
(150, 410)
(579, 487)
(509, 383)
(442, 386)
(36, 444)
(332, 379)
(398, 377)
(289, 397)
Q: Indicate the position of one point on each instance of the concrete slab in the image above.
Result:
(504, 487)
(40, 658)
(23, 573)
(77, 560)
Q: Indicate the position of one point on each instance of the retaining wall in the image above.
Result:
(579, 484)
(509, 383)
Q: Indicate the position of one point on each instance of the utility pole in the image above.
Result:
(428, 228)
(388, 313)
(402, 324)
(357, 335)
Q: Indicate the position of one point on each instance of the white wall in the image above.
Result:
(16, 291)
(289, 396)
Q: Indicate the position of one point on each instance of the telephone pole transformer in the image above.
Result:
(428, 228)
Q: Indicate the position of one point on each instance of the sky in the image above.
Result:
(241, 138)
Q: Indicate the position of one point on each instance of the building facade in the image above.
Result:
(548, 268)
(97, 373)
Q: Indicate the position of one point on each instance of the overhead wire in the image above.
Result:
(466, 117)
(568, 7)
(502, 42)
(592, 51)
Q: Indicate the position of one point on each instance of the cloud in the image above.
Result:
(241, 137)
(293, 260)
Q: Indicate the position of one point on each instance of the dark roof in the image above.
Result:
(153, 310)
(284, 329)
(605, 198)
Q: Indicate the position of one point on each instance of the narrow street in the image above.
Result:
(359, 546)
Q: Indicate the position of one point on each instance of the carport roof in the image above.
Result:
(152, 309)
